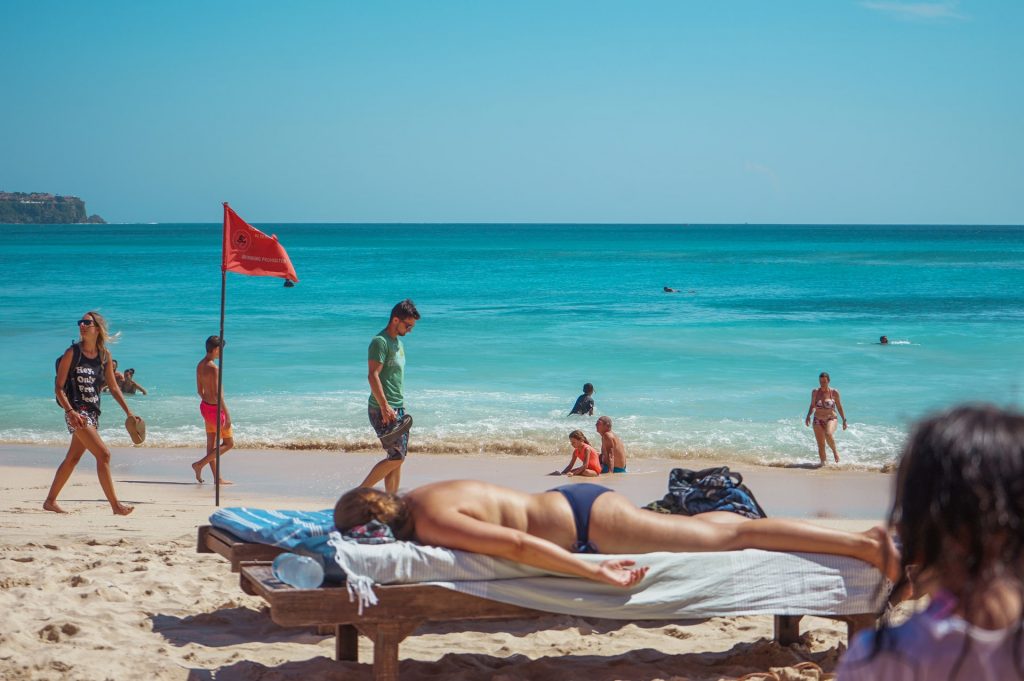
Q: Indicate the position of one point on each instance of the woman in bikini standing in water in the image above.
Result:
(824, 405)
(546, 530)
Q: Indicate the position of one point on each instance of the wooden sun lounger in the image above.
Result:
(213, 540)
(401, 608)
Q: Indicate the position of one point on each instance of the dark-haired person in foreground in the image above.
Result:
(207, 373)
(959, 511)
(546, 530)
(386, 375)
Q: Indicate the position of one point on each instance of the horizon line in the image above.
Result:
(554, 223)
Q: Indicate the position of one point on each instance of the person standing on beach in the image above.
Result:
(386, 375)
(585, 402)
(81, 373)
(824, 404)
(207, 373)
(613, 452)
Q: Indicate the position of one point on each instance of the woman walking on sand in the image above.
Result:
(81, 374)
(824, 405)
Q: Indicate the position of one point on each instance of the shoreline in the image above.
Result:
(307, 476)
(532, 444)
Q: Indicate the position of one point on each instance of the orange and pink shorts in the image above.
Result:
(209, 412)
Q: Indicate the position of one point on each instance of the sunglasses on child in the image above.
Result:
(86, 322)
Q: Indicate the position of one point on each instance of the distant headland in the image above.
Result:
(19, 208)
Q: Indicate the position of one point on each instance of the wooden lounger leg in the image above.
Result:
(346, 643)
(386, 637)
(787, 629)
(857, 623)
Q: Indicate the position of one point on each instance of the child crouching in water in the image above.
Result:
(590, 460)
(959, 511)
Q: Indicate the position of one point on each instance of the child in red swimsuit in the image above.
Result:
(590, 460)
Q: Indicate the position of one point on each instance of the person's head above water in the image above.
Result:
(959, 500)
(361, 505)
(588, 388)
(883, 340)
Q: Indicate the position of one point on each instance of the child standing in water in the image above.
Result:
(590, 460)
(959, 510)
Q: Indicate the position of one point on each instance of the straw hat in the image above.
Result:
(136, 428)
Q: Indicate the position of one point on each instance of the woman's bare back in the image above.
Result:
(440, 508)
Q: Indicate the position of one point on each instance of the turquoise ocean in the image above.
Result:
(515, 318)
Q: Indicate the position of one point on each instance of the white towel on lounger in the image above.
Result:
(678, 585)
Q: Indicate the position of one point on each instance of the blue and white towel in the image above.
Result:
(303, 532)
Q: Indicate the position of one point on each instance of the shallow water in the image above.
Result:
(517, 317)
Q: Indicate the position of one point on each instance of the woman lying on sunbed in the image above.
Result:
(545, 530)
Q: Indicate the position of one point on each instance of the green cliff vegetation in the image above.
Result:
(43, 209)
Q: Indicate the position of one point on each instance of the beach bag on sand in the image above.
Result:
(712, 489)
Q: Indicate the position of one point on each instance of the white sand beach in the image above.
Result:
(88, 595)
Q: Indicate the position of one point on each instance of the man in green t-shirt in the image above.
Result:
(386, 360)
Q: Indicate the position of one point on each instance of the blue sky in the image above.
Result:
(714, 111)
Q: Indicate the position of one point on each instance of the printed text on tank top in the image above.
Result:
(87, 380)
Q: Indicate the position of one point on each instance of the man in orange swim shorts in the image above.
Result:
(206, 384)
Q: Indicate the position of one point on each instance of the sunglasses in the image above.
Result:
(86, 322)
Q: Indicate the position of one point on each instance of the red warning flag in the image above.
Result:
(247, 250)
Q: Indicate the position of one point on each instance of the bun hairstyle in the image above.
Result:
(361, 505)
(578, 435)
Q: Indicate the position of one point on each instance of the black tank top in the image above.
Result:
(86, 382)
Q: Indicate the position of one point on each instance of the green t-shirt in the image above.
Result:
(389, 352)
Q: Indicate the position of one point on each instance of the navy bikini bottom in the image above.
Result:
(581, 498)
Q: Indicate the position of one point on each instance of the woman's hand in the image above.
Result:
(75, 419)
(807, 421)
(844, 424)
(619, 572)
